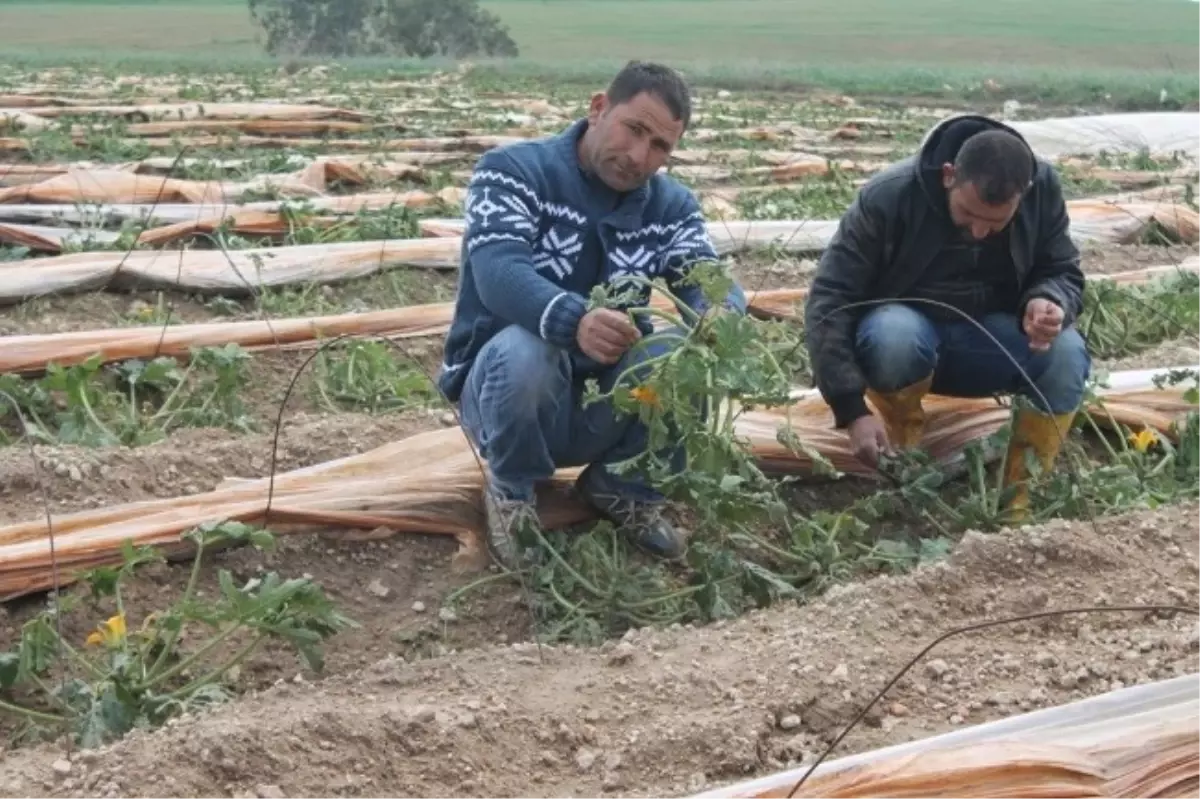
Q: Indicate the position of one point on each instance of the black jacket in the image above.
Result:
(893, 230)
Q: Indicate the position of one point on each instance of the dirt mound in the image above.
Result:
(668, 712)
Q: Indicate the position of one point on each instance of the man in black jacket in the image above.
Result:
(970, 232)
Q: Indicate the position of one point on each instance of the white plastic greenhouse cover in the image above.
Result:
(1163, 132)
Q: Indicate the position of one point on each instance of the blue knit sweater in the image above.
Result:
(541, 233)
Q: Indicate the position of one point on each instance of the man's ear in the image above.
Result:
(597, 106)
(947, 175)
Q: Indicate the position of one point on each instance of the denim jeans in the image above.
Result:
(897, 346)
(522, 407)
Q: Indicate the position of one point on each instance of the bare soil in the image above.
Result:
(671, 712)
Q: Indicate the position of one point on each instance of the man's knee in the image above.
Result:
(1063, 379)
(523, 369)
(896, 346)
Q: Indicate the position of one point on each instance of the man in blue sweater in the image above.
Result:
(548, 220)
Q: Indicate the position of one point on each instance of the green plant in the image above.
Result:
(177, 660)
(132, 402)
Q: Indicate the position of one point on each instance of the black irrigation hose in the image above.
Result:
(974, 628)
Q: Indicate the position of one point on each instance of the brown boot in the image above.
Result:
(1041, 434)
(902, 413)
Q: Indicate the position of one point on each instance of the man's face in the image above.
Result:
(975, 218)
(628, 143)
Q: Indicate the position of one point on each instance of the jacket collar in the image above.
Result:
(630, 209)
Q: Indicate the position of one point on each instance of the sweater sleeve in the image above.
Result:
(502, 210)
(690, 244)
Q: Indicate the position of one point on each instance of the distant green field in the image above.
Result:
(1109, 45)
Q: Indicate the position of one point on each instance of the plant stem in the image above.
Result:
(187, 595)
(190, 659)
(37, 715)
(482, 581)
(216, 673)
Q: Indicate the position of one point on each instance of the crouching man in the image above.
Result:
(547, 221)
(969, 233)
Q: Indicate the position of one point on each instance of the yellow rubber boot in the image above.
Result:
(1043, 435)
(902, 413)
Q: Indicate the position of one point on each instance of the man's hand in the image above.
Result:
(869, 439)
(1042, 323)
(605, 335)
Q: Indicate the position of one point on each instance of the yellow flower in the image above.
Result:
(646, 396)
(1144, 439)
(111, 633)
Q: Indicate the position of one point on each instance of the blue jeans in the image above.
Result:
(522, 406)
(897, 346)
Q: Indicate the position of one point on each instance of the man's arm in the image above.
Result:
(845, 273)
(1056, 274)
(689, 245)
(502, 210)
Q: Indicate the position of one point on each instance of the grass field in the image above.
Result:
(1067, 47)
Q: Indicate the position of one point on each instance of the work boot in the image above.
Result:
(641, 521)
(511, 529)
(1043, 435)
(902, 413)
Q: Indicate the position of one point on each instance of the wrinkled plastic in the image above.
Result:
(1098, 724)
(431, 483)
(1160, 133)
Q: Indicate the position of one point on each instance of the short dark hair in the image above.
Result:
(997, 162)
(663, 82)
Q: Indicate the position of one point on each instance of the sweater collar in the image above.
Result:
(628, 213)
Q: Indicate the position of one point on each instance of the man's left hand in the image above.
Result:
(1042, 323)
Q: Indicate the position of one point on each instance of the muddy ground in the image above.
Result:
(675, 711)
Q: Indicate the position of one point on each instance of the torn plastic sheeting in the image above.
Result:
(1097, 736)
(232, 273)
(431, 483)
(1090, 221)
(196, 111)
(52, 239)
(33, 352)
(23, 354)
(268, 223)
(118, 186)
(254, 127)
(155, 164)
(165, 214)
(1162, 133)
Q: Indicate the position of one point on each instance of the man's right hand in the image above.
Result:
(869, 439)
(605, 335)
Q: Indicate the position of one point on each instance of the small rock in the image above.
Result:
(418, 607)
(448, 419)
(447, 615)
(937, 668)
(956, 719)
(611, 782)
(898, 710)
(378, 589)
(1046, 660)
(269, 792)
(61, 767)
(622, 653)
(585, 759)
(840, 674)
(789, 722)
